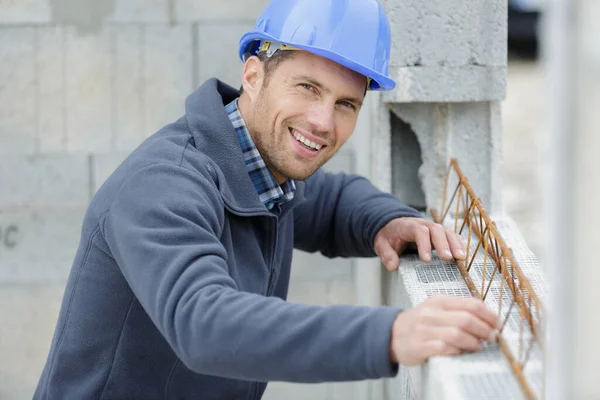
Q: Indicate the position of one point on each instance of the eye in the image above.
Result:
(308, 87)
(348, 105)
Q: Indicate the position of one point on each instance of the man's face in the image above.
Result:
(307, 111)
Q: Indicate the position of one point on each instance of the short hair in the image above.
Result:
(271, 63)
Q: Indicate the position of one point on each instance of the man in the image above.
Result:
(178, 287)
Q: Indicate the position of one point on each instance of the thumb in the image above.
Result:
(387, 254)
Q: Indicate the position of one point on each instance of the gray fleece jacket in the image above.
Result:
(178, 287)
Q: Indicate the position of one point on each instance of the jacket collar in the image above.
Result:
(215, 136)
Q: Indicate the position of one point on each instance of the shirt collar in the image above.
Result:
(269, 191)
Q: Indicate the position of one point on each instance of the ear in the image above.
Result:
(252, 77)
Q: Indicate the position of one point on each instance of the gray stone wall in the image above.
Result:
(82, 83)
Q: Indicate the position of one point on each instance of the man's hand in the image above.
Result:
(443, 325)
(397, 234)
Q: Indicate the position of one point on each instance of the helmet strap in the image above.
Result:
(270, 48)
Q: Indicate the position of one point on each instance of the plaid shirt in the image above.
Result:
(269, 191)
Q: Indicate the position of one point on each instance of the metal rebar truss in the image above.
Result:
(465, 213)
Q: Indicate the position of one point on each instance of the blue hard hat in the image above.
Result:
(353, 33)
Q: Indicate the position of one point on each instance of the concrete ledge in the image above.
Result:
(447, 84)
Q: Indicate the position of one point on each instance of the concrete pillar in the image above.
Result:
(573, 126)
(449, 61)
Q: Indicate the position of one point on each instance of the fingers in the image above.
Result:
(472, 306)
(456, 338)
(466, 322)
(442, 325)
(440, 241)
(421, 234)
(388, 255)
(427, 235)
(456, 244)
(448, 243)
(445, 241)
(434, 348)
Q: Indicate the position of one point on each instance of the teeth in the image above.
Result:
(305, 141)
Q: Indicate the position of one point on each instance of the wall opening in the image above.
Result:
(406, 162)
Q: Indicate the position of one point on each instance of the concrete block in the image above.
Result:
(140, 11)
(24, 11)
(207, 10)
(380, 161)
(308, 292)
(86, 15)
(38, 246)
(52, 111)
(103, 165)
(89, 94)
(218, 50)
(44, 183)
(342, 292)
(447, 84)
(294, 391)
(27, 323)
(168, 74)
(17, 90)
(452, 33)
(364, 138)
(440, 45)
(476, 136)
(316, 267)
(129, 88)
(41, 210)
(89, 15)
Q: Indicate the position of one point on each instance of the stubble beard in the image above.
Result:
(275, 156)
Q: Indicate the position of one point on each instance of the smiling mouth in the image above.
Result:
(305, 142)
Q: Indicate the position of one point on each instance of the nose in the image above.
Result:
(321, 118)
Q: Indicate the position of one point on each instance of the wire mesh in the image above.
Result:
(492, 273)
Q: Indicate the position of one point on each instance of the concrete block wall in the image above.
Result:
(82, 83)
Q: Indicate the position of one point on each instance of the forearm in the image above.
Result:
(243, 336)
(362, 211)
(342, 215)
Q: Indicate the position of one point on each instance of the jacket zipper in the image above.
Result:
(254, 391)
(272, 269)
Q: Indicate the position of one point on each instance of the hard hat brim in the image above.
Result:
(378, 81)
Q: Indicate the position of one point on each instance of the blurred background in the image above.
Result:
(83, 82)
